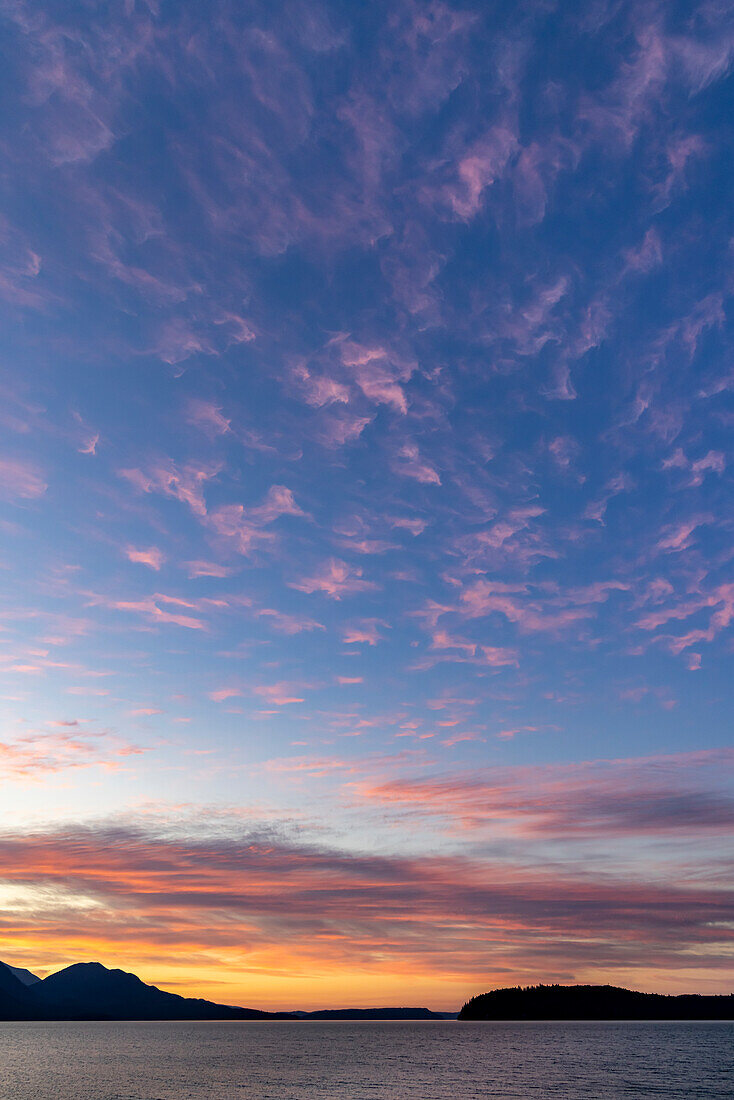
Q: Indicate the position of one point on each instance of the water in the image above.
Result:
(366, 1061)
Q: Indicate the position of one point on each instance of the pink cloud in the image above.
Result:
(337, 430)
(364, 631)
(713, 462)
(654, 619)
(480, 166)
(408, 523)
(238, 330)
(596, 509)
(229, 522)
(87, 445)
(680, 152)
(498, 657)
(675, 461)
(208, 569)
(512, 732)
(34, 756)
(679, 536)
(536, 170)
(659, 795)
(289, 624)
(319, 390)
(199, 332)
(207, 416)
(368, 546)
(619, 111)
(516, 520)
(378, 372)
(564, 451)
(281, 694)
(647, 256)
(486, 597)
(244, 527)
(460, 738)
(185, 483)
(596, 592)
(178, 339)
(335, 579)
(222, 694)
(278, 501)
(149, 609)
(431, 613)
(562, 387)
(409, 463)
(443, 640)
(152, 557)
(719, 602)
(20, 480)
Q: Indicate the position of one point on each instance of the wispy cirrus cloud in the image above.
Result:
(20, 480)
(335, 579)
(281, 694)
(364, 631)
(244, 529)
(636, 797)
(185, 483)
(174, 610)
(288, 624)
(152, 556)
(36, 756)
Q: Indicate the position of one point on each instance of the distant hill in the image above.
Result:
(374, 1014)
(593, 1002)
(90, 991)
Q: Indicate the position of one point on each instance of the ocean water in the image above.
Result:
(365, 1061)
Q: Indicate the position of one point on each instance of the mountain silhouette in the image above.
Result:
(91, 991)
(115, 994)
(13, 997)
(22, 975)
(593, 1002)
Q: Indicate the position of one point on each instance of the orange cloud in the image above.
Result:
(361, 923)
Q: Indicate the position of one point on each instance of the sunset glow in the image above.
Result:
(366, 406)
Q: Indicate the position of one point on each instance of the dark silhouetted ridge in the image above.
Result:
(15, 1003)
(90, 991)
(23, 976)
(373, 1014)
(593, 1002)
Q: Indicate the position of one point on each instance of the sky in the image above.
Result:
(366, 407)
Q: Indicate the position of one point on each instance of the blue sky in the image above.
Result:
(366, 493)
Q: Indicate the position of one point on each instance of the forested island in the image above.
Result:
(593, 1002)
